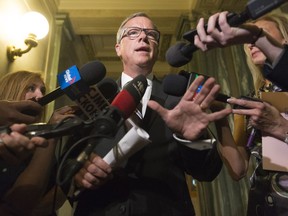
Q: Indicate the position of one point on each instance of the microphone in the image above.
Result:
(109, 88)
(97, 98)
(91, 73)
(251, 138)
(106, 124)
(177, 84)
(123, 105)
(174, 84)
(181, 53)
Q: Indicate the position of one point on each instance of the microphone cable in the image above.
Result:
(61, 181)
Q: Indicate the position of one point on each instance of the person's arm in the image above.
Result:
(45, 206)
(203, 165)
(276, 53)
(189, 117)
(16, 147)
(189, 120)
(232, 147)
(19, 112)
(263, 116)
(276, 71)
(227, 36)
(34, 179)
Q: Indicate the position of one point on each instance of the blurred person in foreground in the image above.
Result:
(268, 190)
(34, 174)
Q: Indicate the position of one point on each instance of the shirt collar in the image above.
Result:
(126, 78)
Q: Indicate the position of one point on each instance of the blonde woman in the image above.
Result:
(32, 177)
(268, 191)
(255, 56)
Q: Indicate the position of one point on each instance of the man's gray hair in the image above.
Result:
(138, 14)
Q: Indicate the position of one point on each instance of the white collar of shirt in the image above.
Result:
(125, 79)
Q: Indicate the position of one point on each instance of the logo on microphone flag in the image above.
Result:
(68, 77)
(71, 83)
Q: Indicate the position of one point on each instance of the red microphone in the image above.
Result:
(130, 96)
(107, 123)
(123, 105)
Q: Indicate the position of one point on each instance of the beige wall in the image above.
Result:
(41, 58)
(34, 60)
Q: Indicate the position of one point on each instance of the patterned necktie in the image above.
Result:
(136, 118)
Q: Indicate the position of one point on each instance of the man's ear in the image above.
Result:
(118, 49)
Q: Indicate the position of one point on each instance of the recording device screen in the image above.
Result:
(177, 84)
(191, 76)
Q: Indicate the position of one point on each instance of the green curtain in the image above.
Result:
(224, 196)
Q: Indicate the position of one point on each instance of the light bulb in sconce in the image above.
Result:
(33, 26)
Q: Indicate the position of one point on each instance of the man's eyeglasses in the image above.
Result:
(134, 32)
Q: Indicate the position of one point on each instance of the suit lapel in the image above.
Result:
(157, 95)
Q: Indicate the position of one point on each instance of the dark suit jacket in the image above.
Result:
(278, 74)
(153, 181)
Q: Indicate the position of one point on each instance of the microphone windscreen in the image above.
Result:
(92, 72)
(108, 87)
(175, 85)
(175, 57)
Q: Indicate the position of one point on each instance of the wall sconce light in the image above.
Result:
(34, 26)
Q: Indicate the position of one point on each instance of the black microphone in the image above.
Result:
(177, 84)
(122, 107)
(181, 53)
(106, 124)
(97, 97)
(91, 73)
(108, 87)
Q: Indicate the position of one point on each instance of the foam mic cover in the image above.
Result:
(177, 85)
(108, 87)
(91, 73)
(180, 54)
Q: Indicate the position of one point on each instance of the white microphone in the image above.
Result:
(133, 141)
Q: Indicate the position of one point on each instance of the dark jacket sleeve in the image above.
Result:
(203, 165)
(277, 74)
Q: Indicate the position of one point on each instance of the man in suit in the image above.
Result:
(152, 182)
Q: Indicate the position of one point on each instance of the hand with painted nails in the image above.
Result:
(262, 116)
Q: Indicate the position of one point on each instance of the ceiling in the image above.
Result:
(97, 21)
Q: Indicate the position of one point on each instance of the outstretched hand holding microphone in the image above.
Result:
(221, 31)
